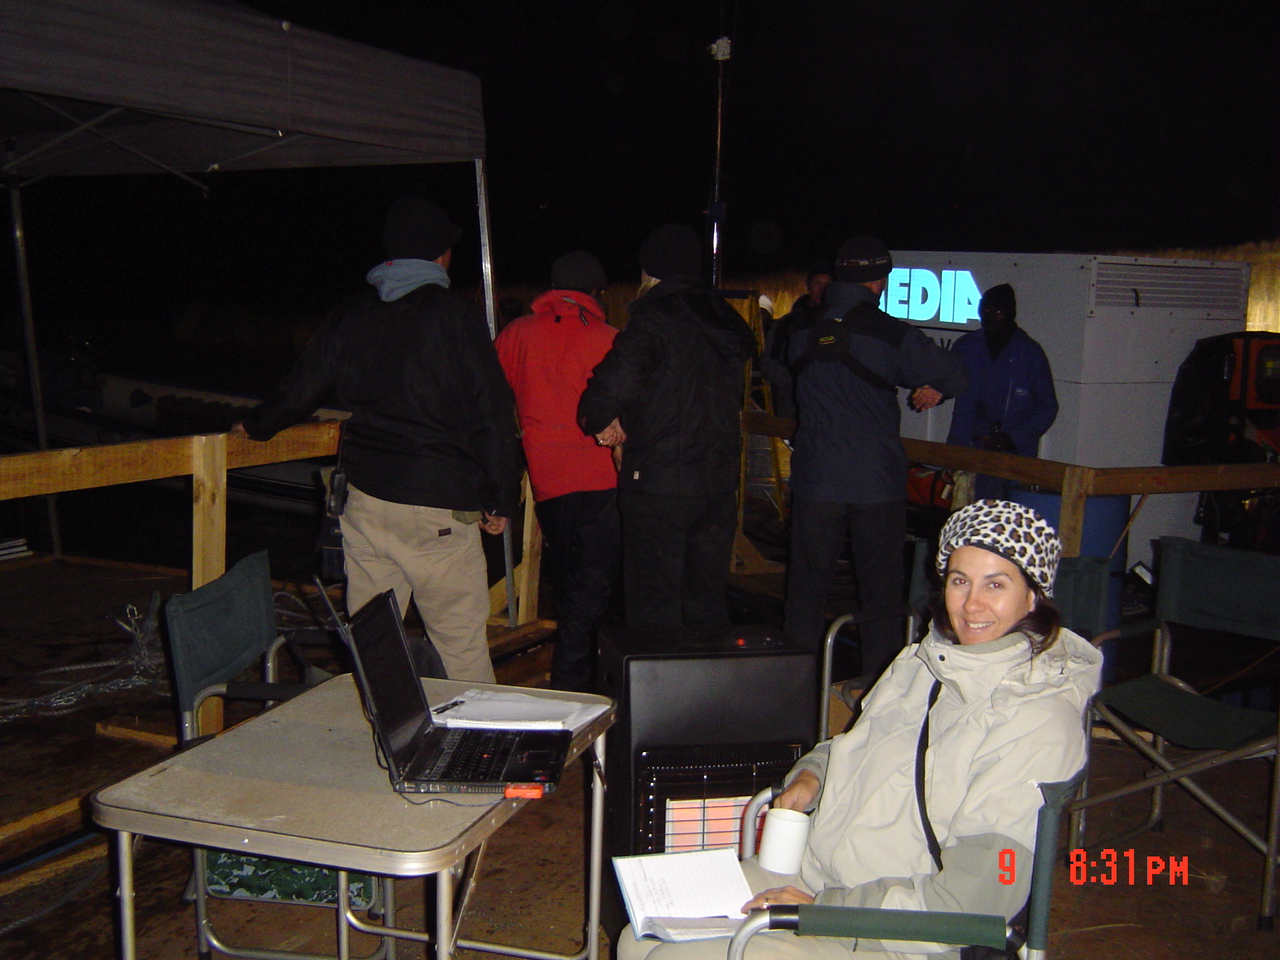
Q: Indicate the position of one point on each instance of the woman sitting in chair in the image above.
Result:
(1003, 688)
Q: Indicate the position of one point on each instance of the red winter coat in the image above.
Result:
(547, 357)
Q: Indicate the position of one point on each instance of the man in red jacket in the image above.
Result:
(547, 357)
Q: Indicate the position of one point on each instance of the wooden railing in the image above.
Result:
(1074, 483)
(206, 459)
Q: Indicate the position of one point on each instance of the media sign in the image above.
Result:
(921, 295)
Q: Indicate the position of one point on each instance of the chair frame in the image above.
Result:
(269, 692)
(921, 925)
(1174, 560)
(917, 596)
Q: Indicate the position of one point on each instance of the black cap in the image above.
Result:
(579, 271)
(821, 268)
(672, 250)
(862, 259)
(416, 229)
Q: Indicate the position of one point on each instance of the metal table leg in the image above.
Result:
(444, 914)
(124, 862)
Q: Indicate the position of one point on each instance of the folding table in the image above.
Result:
(302, 782)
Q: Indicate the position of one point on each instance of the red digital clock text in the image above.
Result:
(1124, 867)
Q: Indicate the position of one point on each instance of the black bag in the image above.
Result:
(829, 343)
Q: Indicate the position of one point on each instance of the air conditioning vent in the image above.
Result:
(1207, 290)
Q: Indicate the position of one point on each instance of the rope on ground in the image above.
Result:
(142, 666)
(77, 890)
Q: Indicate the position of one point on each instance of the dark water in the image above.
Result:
(150, 523)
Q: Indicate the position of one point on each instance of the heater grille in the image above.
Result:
(691, 798)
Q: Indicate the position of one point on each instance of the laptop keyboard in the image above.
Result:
(474, 755)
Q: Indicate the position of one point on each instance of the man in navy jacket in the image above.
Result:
(848, 465)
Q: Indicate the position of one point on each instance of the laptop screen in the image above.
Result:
(398, 705)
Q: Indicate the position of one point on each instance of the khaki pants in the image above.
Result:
(426, 553)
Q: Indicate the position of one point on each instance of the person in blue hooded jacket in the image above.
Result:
(1010, 402)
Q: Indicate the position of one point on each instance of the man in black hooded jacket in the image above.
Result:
(430, 448)
(669, 393)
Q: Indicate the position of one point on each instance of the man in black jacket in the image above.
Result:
(773, 361)
(430, 449)
(669, 393)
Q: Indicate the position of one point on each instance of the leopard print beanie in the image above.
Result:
(1013, 531)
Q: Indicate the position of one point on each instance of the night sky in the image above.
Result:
(938, 124)
(1041, 126)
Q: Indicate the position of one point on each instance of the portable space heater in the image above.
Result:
(704, 722)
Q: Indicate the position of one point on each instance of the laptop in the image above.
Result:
(421, 756)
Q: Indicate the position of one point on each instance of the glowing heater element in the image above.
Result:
(702, 824)
(920, 295)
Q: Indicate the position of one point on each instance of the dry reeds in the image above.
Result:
(784, 288)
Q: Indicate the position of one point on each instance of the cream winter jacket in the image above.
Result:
(1004, 722)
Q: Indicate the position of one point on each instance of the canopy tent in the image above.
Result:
(193, 87)
(132, 86)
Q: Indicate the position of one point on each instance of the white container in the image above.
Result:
(1115, 330)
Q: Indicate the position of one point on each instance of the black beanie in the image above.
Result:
(1001, 297)
(862, 259)
(821, 268)
(416, 229)
(672, 250)
(577, 271)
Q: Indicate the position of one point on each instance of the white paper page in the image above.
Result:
(681, 929)
(705, 883)
(517, 711)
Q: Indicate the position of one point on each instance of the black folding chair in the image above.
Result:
(218, 632)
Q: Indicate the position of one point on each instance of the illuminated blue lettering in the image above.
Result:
(922, 301)
(920, 295)
(895, 293)
(966, 298)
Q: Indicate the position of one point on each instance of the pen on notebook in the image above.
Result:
(446, 707)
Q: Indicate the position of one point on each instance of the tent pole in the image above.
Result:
(486, 248)
(33, 360)
(491, 312)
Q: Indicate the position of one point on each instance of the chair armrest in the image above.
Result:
(751, 816)
(1136, 628)
(879, 924)
(756, 921)
(1169, 678)
(873, 923)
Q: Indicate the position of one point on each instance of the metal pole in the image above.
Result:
(33, 360)
(491, 312)
(720, 50)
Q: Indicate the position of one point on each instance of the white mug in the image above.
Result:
(785, 834)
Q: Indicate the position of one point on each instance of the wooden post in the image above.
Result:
(528, 580)
(209, 536)
(208, 508)
(1075, 491)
